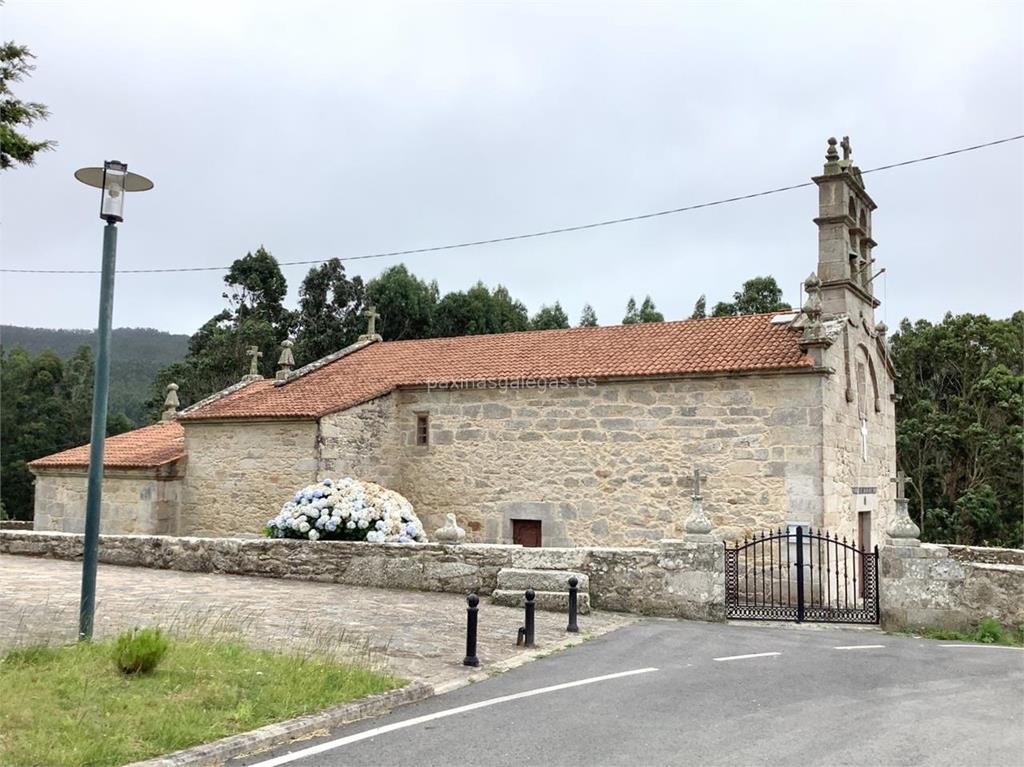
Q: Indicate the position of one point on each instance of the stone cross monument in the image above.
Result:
(697, 525)
(902, 529)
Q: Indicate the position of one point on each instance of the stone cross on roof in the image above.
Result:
(254, 354)
(371, 333)
(371, 317)
(847, 149)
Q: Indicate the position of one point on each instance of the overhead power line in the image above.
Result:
(531, 235)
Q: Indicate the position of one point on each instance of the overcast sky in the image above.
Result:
(334, 129)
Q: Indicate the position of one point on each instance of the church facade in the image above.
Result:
(585, 436)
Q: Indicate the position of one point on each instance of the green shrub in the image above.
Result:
(989, 631)
(139, 651)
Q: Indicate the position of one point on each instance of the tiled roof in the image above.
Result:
(144, 448)
(712, 345)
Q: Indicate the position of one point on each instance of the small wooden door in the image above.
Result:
(526, 532)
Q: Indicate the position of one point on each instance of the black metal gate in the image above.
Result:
(801, 576)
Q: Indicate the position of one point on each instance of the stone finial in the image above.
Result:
(371, 333)
(254, 354)
(902, 529)
(832, 155)
(812, 307)
(451, 533)
(697, 525)
(286, 361)
(814, 332)
(171, 403)
(881, 328)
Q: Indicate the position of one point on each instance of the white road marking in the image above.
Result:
(755, 655)
(985, 646)
(860, 647)
(372, 733)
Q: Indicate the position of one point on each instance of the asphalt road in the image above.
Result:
(909, 702)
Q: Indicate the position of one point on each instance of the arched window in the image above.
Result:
(852, 209)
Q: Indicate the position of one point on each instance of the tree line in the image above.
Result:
(46, 408)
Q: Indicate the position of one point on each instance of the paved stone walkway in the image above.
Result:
(416, 634)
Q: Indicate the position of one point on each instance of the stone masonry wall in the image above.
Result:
(922, 586)
(240, 473)
(844, 465)
(362, 442)
(612, 464)
(677, 579)
(133, 501)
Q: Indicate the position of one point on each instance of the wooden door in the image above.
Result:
(526, 532)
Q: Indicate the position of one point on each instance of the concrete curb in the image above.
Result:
(219, 751)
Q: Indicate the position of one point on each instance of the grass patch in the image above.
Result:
(69, 705)
(989, 631)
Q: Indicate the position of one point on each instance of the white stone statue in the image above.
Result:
(451, 532)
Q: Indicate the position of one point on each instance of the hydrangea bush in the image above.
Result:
(347, 510)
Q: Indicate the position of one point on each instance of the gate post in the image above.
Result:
(799, 574)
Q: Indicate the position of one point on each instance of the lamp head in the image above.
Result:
(114, 180)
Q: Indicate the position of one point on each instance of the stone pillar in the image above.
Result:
(918, 583)
(694, 578)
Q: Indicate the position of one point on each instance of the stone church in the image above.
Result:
(585, 436)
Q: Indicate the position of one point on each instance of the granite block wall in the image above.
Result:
(144, 501)
(241, 472)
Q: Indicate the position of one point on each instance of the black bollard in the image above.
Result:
(573, 583)
(528, 629)
(471, 610)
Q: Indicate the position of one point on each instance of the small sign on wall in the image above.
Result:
(865, 498)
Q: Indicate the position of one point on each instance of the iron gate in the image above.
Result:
(801, 576)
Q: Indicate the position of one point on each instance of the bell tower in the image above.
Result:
(844, 237)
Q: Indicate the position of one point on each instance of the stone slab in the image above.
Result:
(515, 579)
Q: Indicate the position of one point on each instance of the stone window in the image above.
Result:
(422, 429)
(852, 209)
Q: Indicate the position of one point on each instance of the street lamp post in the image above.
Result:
(114, 180)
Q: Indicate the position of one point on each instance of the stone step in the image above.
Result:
(555, 601)
(514, 578)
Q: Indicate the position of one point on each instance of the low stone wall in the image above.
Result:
(992, 556)
(921, 586)
(16, 524)
(930, 586)
(678, 578)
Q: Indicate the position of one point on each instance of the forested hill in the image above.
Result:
(136, 355)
